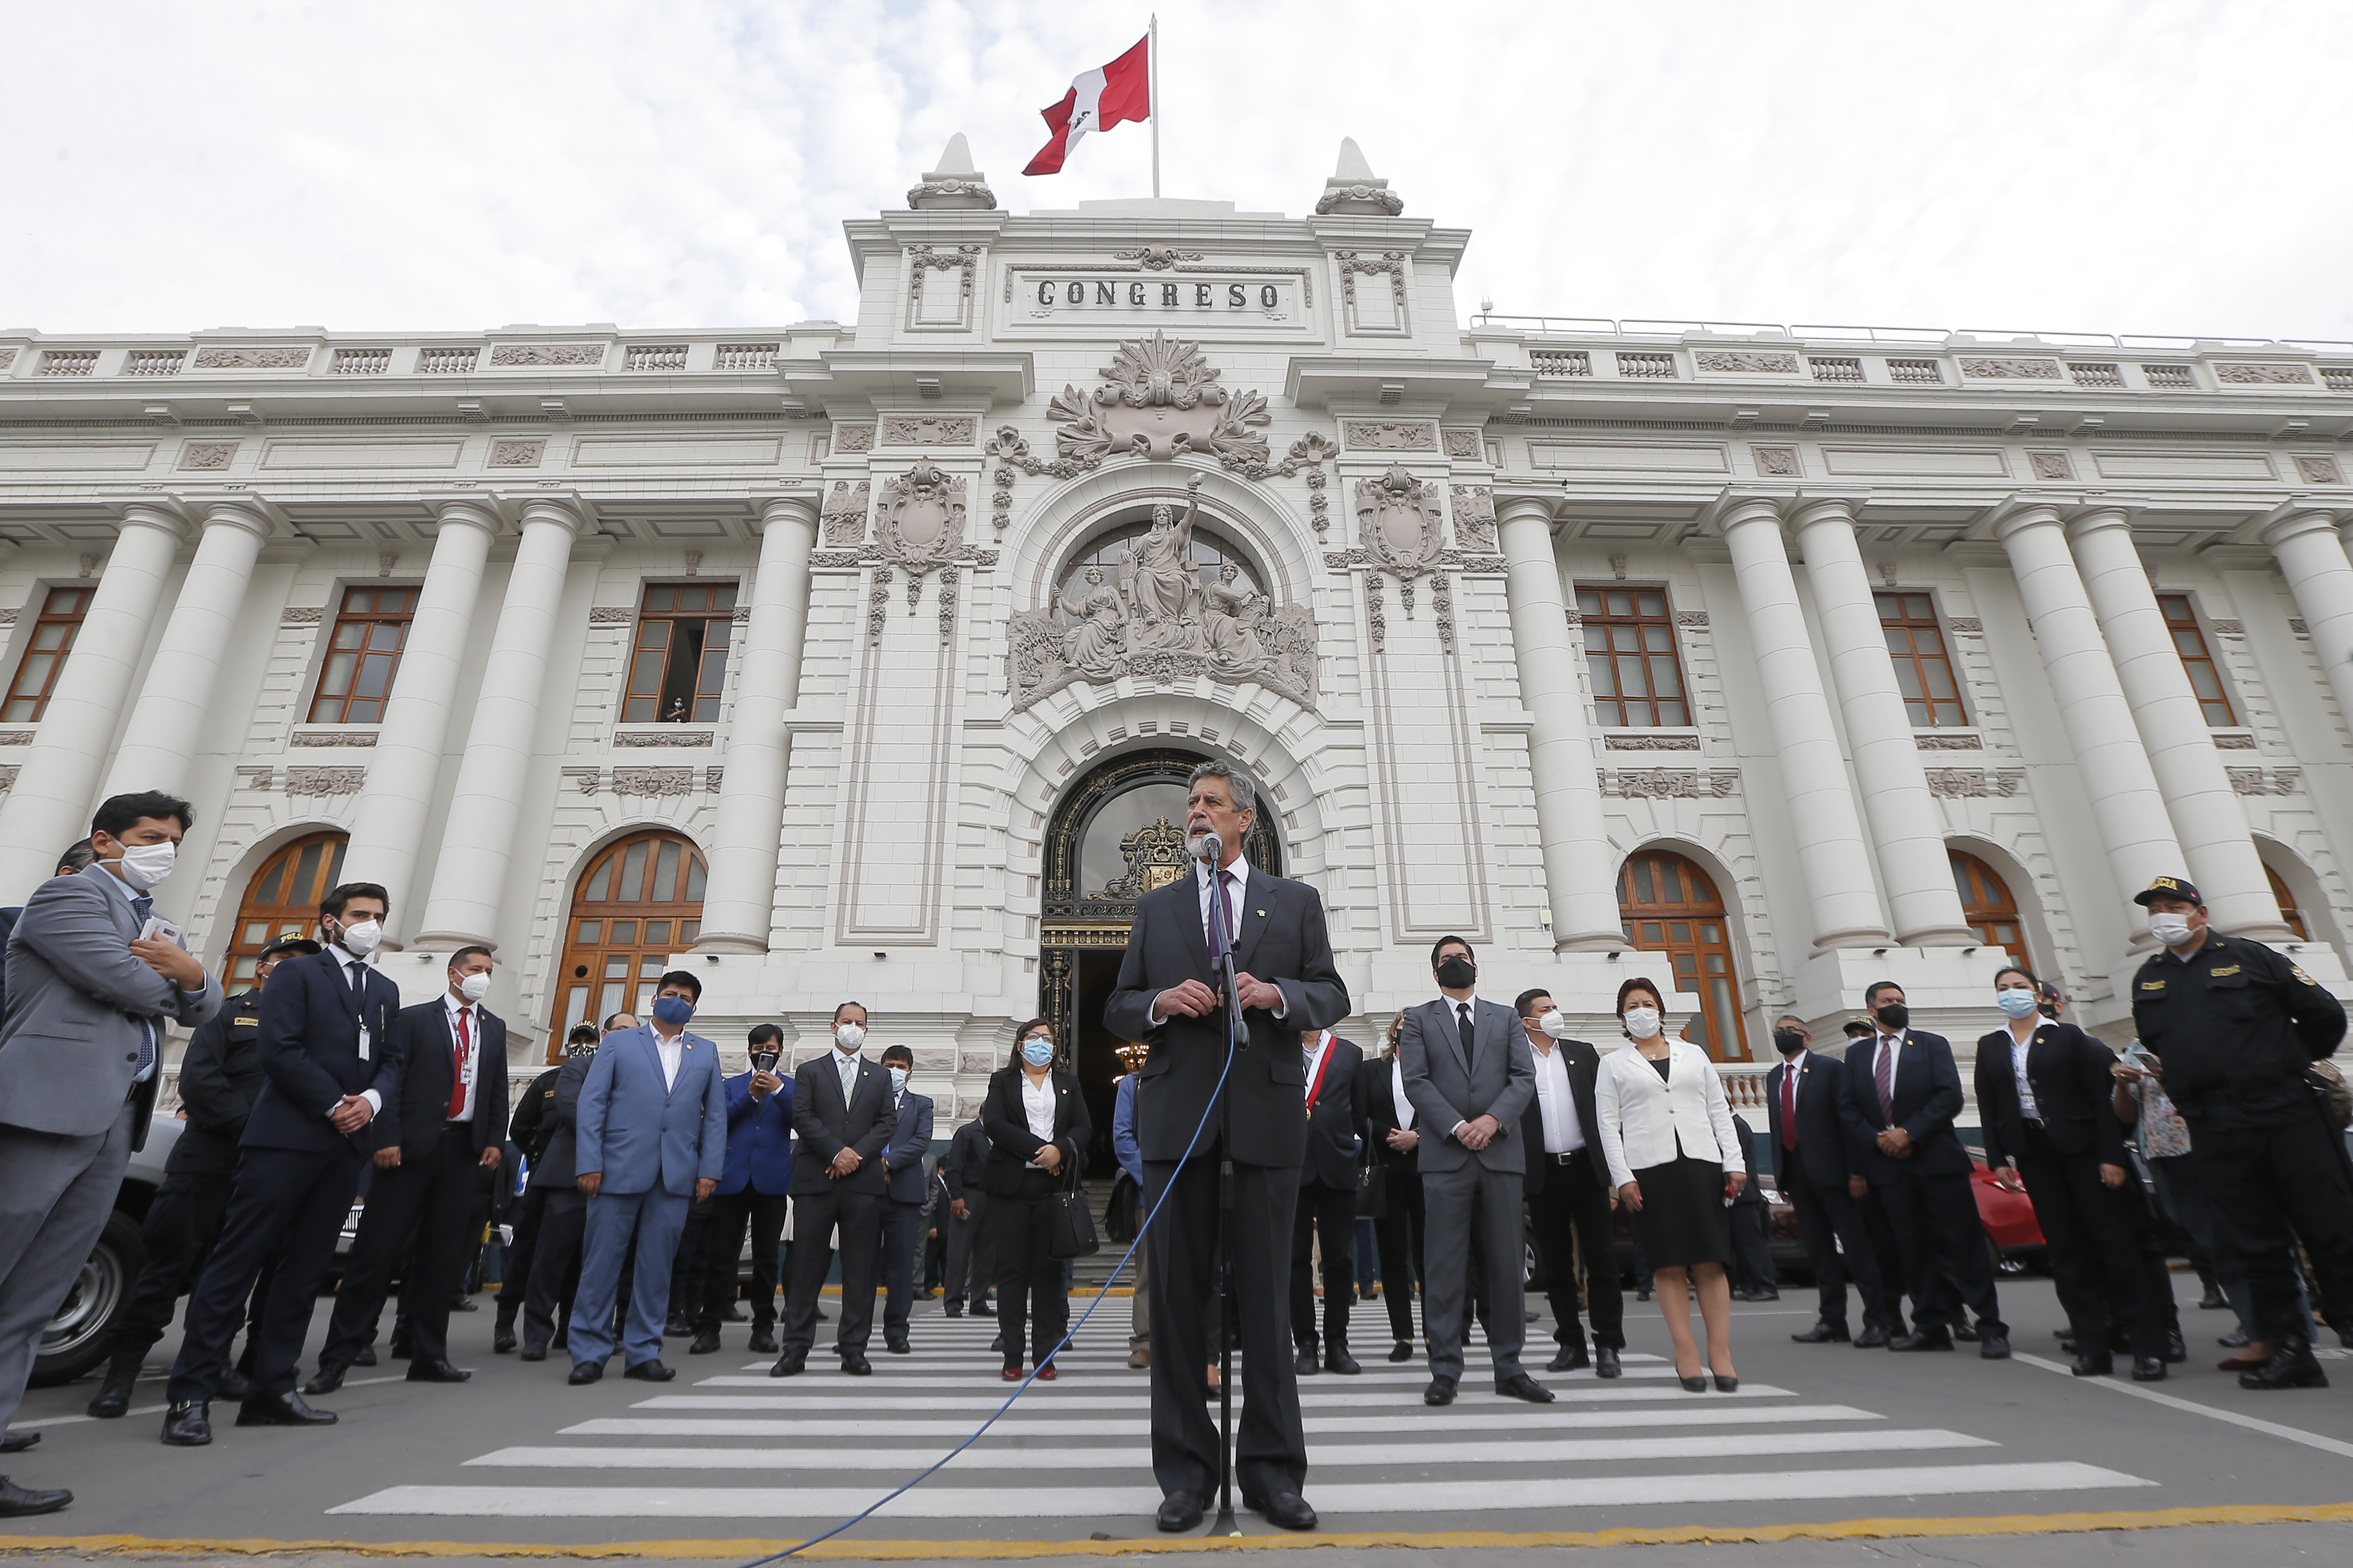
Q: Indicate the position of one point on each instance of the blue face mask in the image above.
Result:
(1037, 1052)
(673, 1010)
(2016, 1003)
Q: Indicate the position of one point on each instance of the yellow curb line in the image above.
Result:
(1676, 1535)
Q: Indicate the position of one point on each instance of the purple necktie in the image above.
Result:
(1886, 1076)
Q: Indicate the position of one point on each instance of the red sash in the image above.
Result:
(1317, 1086)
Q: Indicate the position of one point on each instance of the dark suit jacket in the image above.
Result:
(1284, 942)
(1927, 1098)
(1375, 1089)
(967, 1155)
(220, 1073)
(533, 1123)
(309, 1046)
(1336, 1124)
(2072, 1090)
(823, 1126)
(428, 1050)
(759, 1139)
(911, 1140)
(1822, 1148)
(1584, 1065)
(558, 1167)
(1011, 1146)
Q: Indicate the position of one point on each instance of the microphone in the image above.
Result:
(1212, 848)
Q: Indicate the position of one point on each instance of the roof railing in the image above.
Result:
(1639, 327)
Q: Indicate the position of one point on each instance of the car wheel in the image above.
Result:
(77, 1338)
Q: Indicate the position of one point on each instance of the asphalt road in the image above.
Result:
(1817, 1436)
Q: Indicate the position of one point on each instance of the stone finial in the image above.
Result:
(1353, 188)
(955, 185)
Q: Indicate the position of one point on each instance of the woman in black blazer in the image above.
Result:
(1037, 1123)
(1398, 1228)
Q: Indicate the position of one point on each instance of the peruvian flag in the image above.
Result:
(1098, 100)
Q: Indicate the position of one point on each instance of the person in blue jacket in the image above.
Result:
(902, 1211)
(1130, 1160)
(753, 1192)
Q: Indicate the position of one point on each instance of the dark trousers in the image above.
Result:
(1270, 1447)
(1571, 1211)
(1397, 1239)
(902, 1235)
(971, 1265)
(1333, 1211)
(430, 1199)
(1030, 1291)
(1937, 1232)
(1752, 1251)
(814, 1216)
(514, 1269)
(690, 1265)
(2094, 1248)
(183, 1223)
(730, 1215)
(2274, 1180)
(1829, 1217)
(554, 1262)
(291, 1201)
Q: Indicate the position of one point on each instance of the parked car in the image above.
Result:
(76, 1339)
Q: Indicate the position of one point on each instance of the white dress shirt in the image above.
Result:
(671, 1049)
(2018, 1049)
(1455, 1022)
(1237, 895)
(1315, 1059)
(355, 981)
(472, 1068)
(1563, 1133)
(1396, 1093)
(1037, 1107)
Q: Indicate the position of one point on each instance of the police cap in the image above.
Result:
(2168, 888)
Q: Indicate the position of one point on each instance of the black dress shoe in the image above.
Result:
(2099, 1365)
(330, 1378)
(366, 1357)
(1402, 1351)
(188, 1425)
(586, 1372)
(17, 1442)
(953, 1307)
(998, 1343)
(1923, 1340)
(705, 1343)
(1993, 1345)
(232, 1385)
(16, 1502)
(1179, 1511)
(1305, 1362)
(1872, 1338)
(1337, 1358)
(735, 1314)
(422, 1371)
(1572, 1358)
(855, 1365)
(2177, 1351)
(650, 1372)
(1823, 1333)
(677, 1326)
(2292, 1366)
(464, 1304)
(535, 1352)
(762, 1343)
(823, 1316)
(288, 1411)
(1520, 1385)
(979, 1309)
(898, 1346)
(1287, 1510)
(502, 1339)
(2148, 1368)
(1440, 1392)
(1964, 1332)
(400, 1349)
(2213, 1300)
(792, 1364)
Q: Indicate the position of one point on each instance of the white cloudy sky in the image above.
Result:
(2065, 165)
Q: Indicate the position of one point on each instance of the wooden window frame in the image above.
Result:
(632, 862)
(1718, 989)
(257, 926)
(1930, 627)
(71, 620)
(2189, 630)
(2291, 912)
(648, 678)
(1654, 641)
(335, 708)
(1988, 916)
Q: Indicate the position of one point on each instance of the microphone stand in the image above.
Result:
(1238, 1040)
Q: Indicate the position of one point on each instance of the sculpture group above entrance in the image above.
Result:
(1172, 603)
(1159, 398)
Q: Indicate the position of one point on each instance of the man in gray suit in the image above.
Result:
(90, 985)
(1469, 1074)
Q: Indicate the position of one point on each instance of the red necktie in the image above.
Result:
(458, 1075)
(1790, 1107)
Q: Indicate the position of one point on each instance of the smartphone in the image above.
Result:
(764, 1061)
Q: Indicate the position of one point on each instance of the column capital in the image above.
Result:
(564, 508)
(163, 516)
(1520, 508)
(250, 513)
(467, 511)
(1803, 510)
(1741, 508)
(2022, 511)
(790, 507)
(2296, 516)
(2098, 518)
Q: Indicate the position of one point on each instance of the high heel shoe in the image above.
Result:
(1726, 1384)
(1692, 1384)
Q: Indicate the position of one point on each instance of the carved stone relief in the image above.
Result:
(1975, 784)
(1947, 742)
(844, 514)
(662, 735)
(2318, 470)
(2228, 629)
(1391, 321)
(2263, 374)
(853, 437)
(1776, 462)
(2234, 744)
(333, 738)
(1650, 742)
(2263, 781)
(1159, 398)
(576, 354)
(1670, 783)
(1730, 360)
(1158, 260)
(1359, 198)
(653, 781)
(2051, 466)
(1400, 523)
(517, 454)
(952, 192)
(1966, 625)
(1475, 517)
(301, 616)
(1389, 435)
(931, 315)
(2011, 369)
(203, 455)
(251, 359)
(1464, 444)
(324, 781)
(928, 430)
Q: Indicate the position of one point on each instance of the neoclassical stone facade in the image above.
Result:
(898, 631)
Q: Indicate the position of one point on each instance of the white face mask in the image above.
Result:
(849, 1037)
(475, 986)
(1553, 1024)
(2171, 929)
(898, 1080)
(146, 865)
(1642, 1023)
(360, 940)
(2017, 1002)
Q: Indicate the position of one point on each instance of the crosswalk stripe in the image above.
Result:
(1712, 1414)
(1514, 1495)
(1415, 1376)
(1055, 1397)
(1326, 1455)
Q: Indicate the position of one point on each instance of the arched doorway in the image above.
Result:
(1117, 835)
(282, 899)
(1987, 906)
(1670, 905)
(639, 901)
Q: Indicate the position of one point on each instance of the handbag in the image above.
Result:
(2335, 1095)
(1373, 1188)
(1073, 1228)
(1119, 1213)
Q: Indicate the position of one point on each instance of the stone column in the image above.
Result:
(48, 806)
(1906, 829)
(2127, 806)
(1578, 862)
(479, 840)
(1831, 855)
(2207, 819)
(740, 899)
(2312, 558)
(168, 722)
(388, 823)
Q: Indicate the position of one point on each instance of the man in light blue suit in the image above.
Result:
(652, 1139)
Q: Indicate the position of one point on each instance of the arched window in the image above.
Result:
(640, 901)
(282, 899)
(1670, 906)
(1986, 905)
(2289, 914)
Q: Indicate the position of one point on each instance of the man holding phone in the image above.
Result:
(753, 1192)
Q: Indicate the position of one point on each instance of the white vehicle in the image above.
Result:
(76, 1339)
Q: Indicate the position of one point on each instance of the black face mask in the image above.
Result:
(1458, 974)
(1789, 1042)
(2048, 1009)
(1894, 1017)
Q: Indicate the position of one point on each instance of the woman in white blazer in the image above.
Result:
(1675, 1158)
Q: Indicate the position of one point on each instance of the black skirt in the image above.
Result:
(1682, 1217)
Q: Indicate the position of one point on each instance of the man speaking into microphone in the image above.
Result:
(1170, 995)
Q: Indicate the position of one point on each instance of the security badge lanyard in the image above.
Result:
(1317, 1086)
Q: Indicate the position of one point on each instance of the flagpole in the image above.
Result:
(1151, 57)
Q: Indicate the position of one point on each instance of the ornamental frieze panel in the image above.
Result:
(251, 359)
(1670, 783)
(1475, 517)
(1389, 435)
(928, 430)
(2263, 374)
(2012, 370)
(1159, 397)
(1744, 363)
(573, 356)
(853, 437)
(919, 526)
(2263, 781)
(1975, 784)
(1400, 523)
(843, 516)
(2318, 470)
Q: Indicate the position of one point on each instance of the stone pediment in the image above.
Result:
(1159, 397)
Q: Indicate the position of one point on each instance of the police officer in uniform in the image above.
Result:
(219, 1076)
(2234, 1026)
(530, 1131)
